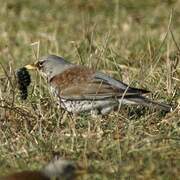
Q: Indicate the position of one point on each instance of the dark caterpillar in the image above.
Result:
(24, 80)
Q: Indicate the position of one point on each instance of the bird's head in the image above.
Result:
(50, 66)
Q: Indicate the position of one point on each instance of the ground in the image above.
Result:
(135, 41)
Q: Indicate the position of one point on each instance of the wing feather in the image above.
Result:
(79, 82)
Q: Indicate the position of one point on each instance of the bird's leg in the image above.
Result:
(107, 110)
(95, 113)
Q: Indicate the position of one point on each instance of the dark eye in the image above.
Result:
(40, 64)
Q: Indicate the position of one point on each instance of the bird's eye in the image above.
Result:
(40, 64)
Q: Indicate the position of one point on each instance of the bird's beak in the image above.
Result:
(31, 66)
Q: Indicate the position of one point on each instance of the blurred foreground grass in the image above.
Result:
(135, 41)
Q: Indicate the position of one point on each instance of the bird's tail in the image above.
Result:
(147, 102)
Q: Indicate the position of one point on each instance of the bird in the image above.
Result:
(56, 169)
(78, 88)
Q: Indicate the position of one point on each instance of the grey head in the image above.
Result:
(60, 169)
(52, 65)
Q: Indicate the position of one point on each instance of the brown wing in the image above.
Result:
(81, 83)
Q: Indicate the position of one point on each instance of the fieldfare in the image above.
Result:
(58, 169)
(81, 89)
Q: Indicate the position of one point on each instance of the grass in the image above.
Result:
(137, 42)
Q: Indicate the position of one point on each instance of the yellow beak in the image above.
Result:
(31, 66)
